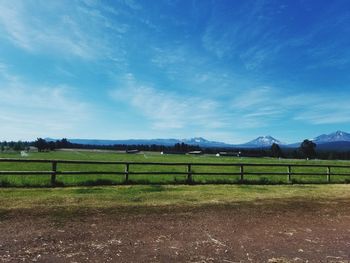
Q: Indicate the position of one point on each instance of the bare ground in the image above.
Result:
(283, 231)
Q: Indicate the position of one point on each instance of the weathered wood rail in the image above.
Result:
(189, 169)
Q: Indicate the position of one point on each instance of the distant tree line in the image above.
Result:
(307, 149)
(44, 145)
(14, 146)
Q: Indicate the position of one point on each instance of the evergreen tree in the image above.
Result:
(307, 147)
(41, 144)
(276, 150)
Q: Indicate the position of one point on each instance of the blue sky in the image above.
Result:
(223, 70)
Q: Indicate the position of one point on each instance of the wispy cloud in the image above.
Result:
(248, 99)
(331, 109)
(257, 36)
(178, 60)
(55, 27)
(29, 111)
(266, 105)
(167, 110)
(248, 37)
(247, 109)
(192, 71)
(132, 4)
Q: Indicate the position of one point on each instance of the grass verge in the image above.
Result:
(109, 197)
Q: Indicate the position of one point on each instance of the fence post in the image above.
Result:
(126, 173)
(289, 175)
(53, 173)
(328, 174)
(189, 174)
(241, 170)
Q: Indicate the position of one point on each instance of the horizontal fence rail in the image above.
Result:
(188, 169)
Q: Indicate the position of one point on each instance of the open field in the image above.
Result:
(202, 223)
(105, 179)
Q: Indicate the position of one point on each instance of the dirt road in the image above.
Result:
(284, 231)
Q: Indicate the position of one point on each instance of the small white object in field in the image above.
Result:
(217, 155)
(24, 154)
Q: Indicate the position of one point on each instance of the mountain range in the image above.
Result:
(338, 136)
(338, 140)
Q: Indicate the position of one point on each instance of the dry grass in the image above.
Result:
(159, 195)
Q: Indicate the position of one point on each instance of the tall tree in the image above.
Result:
(276, 150)
(41, 144)
(308, 147)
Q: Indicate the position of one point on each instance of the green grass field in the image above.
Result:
(81, 180)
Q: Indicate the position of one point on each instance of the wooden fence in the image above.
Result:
(189, 172)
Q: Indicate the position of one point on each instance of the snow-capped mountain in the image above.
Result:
(263, 141)
(338, 141)
(338, 136)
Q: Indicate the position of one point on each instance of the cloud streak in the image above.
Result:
(29, 111)
(269, 104)
(247, 109)
(168, 110)
(72, 30)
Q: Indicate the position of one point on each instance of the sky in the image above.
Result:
(223, 70)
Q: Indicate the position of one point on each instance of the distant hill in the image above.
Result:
(334, 146)
(166, 142)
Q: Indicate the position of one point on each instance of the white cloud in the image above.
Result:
(178, 62)
(259, 106)
(254, 36)
(256, 107)
(29, 111)
(253, 97)
(193, 72)
(62, 27)
(167, 110)
(331, 109)
(245, 35)
(132, 4)
(248, 109)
